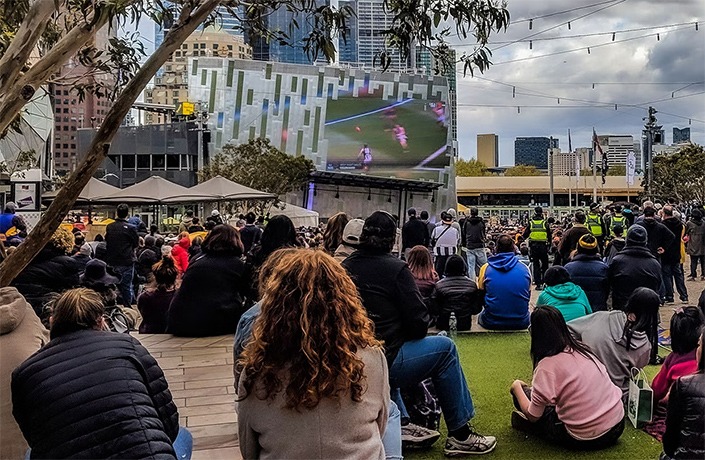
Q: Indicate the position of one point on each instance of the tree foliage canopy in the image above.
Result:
(522, 170)
(470, 168)
(680, 175)
(260, 165)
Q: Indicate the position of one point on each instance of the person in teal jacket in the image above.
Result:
(505, 283)
(563, 294)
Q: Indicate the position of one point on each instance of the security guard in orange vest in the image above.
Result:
(538, 232)
(596, 225)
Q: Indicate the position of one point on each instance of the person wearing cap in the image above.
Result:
(671, 266)
(659, 236)
(12, 225)
(215, 217)
(634, 266)
(444, 240)
(413, 233)
(616, 219)
(570, 238)
(350, 240)
(596, 224)
(475, 233)
(538, 232)
(395, 305)
(587, 270)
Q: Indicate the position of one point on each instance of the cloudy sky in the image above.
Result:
(634, 71)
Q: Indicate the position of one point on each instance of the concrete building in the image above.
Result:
(533, 151)
(617, 147)
(566, 163)
(488, 149)
(171, 85)
(681, 135)
(372, 20)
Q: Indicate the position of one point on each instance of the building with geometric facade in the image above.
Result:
(681, 135)
(533, 151)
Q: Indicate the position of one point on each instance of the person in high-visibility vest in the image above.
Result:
(596, 225)
(538, 232)
(617, 219)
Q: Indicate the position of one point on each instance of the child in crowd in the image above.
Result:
(686, 324)
(562, 293)
(572, 401)
(456, 293)
(622, 340)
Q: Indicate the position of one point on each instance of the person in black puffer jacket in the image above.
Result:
(588, 271)
(456, 293)
(52, 271)
(90, 393)
(685, 420)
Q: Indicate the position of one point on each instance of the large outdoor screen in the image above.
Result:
(373, 135)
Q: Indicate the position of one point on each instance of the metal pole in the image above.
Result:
(199, 129)
(570, 194)
(594, 171)
(550, 174)
(650, 156)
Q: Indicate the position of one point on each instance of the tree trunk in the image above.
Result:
(100, 146)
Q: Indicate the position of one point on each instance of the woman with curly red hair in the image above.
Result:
(314, 380)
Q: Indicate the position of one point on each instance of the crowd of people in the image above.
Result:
(334, 325)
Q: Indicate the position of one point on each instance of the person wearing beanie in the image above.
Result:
(83, 256)
(569, 241)
(413, 233)
(587, 270)
(456, 293)
(634, 266)
(564, 295)
(12, 226)
(215, 217)
(695, 246)
(538, 232)
(401, 318)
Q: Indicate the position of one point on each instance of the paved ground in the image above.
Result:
(200, 376)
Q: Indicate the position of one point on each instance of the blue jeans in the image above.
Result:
(436, 358)
(671, 273)
(183, 444)
(125, 273)
(392, 435)
(476, 259)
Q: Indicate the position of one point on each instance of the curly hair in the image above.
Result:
(333, 235)
(311, 326)
(62, 240)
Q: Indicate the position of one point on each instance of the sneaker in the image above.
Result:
(417, 436)
(476, 444)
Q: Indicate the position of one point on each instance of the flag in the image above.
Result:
(631, 168)
(598, 148)
(570, 143)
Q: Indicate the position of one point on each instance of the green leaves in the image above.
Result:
(680, 175)
(470, 168)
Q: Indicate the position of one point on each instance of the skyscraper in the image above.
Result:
(681, 135)
(533, 151)
(488, 149)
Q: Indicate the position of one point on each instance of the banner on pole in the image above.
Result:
(631, 167)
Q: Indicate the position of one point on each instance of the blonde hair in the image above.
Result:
(62, 239)
(76, 309)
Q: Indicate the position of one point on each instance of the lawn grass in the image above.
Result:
(491, 362)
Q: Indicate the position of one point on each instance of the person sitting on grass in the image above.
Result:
(571, 402)
(622, 340)
(313, 378)
(562, 293)
(456, 293)
(685, 420)
(686, 324)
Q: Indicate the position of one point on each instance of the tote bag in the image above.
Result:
(641, 398)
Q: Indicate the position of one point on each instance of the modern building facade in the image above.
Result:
(533, 151)
(568, 163)
(488, 149)
(681, 135)
(617, 147)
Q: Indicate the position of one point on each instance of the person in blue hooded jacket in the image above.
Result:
(506, 284)
(566, 296)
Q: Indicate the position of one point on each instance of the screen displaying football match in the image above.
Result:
(370, 134)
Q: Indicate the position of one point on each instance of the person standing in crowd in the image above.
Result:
(444, 240)
(154, 302)
(333, 234)
(12, 226)
(429, 226)
(475, 233)
(588, 271)
(210, 299)
(564, 295)
(393, 302)
(616, 220)
(456, 293)
(125, 409)
(596, 225)
(186, 221)
(215, 217)
(121, 242)
(633, 267)
(622, 340)
(180, 252)
(285, 392)
(250, 234)
(659, 236)
(196, 226)
(671, 266)
(537, 233)
(571, 402)
(569, 241)
(21, 335)
(685, 436)
(350, 239)
(506, 288)
(421, 266)
(413, 233)
(615, 244)
(695, 247)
